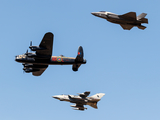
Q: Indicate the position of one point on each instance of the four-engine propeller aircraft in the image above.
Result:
(127, 21)
(37, 62)
(81, 100)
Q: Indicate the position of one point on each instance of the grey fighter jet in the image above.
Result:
(81, 100)
(127, 21)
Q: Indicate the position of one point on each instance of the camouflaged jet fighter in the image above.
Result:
(37, 62)
(127, 21)
(81, 100)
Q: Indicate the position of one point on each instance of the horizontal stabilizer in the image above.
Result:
(141, 27)
(129, 16)
(94, 105)
(144, 20)
(75, 67)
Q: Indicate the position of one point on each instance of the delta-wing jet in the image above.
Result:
(37, 62)
(81, 99)
(127, 21)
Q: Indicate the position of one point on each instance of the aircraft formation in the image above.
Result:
(37, 62)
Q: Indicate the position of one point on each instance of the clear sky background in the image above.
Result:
(125, 65)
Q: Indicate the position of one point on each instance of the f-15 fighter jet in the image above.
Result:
(81, 100)
(37, 62)
(127, 21)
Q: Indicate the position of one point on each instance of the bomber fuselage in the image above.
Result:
(54, 60)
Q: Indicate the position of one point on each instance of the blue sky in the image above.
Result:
(125, 65)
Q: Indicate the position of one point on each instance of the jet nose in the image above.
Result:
(94, 13)
(56, 97)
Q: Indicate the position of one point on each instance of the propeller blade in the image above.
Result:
(31, 43)
(26, 52)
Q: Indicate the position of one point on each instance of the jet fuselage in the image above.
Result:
(76, 99)
(114, 18)
(127, 21)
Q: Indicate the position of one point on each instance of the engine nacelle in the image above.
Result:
(33, 55)
(34, 48)
(28, 70)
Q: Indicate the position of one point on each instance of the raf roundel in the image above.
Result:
(59, 59)
(79, 53)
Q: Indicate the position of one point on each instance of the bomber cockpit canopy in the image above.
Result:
(61, 55)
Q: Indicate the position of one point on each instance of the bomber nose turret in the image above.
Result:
(17, 58)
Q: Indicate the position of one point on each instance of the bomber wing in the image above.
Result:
(38, 73)
(129, 16)
(126, 27)
(36, 69)
(47, 44)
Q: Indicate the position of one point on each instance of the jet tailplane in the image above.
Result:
(141, 27)
(93, 104)
(144, 20)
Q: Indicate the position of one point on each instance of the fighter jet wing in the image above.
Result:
(129, 16)
(126, 27)
(39, 72)
(47, 44)
(85, 94)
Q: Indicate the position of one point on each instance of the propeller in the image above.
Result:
(26, 52)
(31, 43)
(30, 46)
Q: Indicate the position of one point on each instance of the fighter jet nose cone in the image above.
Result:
(93, 13)
(56, 97)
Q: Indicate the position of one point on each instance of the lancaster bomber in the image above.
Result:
(81, 100)
(37, 62)
(127, 21)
